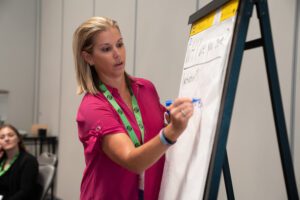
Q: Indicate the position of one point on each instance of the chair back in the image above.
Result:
(45, 179)
(47, 158)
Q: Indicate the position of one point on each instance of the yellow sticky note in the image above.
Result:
(229, 9)
(202, 24)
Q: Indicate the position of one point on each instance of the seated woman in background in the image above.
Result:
(18, 169)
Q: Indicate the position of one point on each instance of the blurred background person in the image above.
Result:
(18, 168)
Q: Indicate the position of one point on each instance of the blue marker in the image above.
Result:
(194, 100)
(169, 102)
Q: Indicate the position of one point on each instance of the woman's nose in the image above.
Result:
(116, 53)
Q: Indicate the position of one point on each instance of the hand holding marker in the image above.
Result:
(194, 101)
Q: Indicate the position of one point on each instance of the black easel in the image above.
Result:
(219, 157)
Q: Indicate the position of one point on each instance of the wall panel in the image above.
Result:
(162, 34)
(50, 64)
(71, 163)
(17, 59)
(297, 108)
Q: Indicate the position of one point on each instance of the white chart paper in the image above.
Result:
(203, 75)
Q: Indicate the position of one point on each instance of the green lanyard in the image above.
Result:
(136, 111)
(2, 170)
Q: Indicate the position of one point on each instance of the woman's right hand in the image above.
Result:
(180, 112)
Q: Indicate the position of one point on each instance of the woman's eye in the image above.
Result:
(105, 49)
(120, 44)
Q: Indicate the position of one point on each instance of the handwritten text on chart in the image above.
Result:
(201, 52)
(190, 77)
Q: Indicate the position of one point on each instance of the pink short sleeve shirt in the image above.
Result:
(103, 179)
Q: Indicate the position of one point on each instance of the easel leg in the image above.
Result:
(281, 130)
(227, 178)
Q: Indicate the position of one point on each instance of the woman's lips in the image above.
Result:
(118, 64)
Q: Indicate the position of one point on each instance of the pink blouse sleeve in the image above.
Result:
(95, 119)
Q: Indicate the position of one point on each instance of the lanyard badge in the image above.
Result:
(2, 170)
(136, 111)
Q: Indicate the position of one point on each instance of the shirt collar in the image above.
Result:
(135, 83)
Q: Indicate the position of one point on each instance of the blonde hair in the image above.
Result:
(83, 40)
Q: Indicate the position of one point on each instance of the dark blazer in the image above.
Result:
(22, 179)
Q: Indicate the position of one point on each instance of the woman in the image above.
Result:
(120, 119)
(18, 169)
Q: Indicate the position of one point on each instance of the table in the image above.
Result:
(50, 141)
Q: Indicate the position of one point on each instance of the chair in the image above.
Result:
(47, 158)
(45, 179)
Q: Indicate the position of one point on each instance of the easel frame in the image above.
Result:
(219, 159)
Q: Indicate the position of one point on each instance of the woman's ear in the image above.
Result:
(87, 57)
